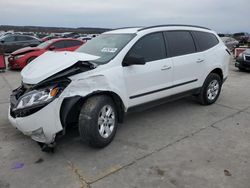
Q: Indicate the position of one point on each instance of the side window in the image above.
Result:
(9, 39)
(151, 47)
(28, 38)
(205, 40)
(71, 43)
(59, 44)
(180, 43)
(21, 38)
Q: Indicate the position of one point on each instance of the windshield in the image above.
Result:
(45, 44)
(106, 46)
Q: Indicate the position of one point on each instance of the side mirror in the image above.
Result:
(133, 60)
(51, 48)
(2, 41)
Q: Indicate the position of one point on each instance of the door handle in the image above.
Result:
(200, 60)
(166, 67)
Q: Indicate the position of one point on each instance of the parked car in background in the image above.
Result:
(10, 43)
(243, 60)
(230, 42)
(242, 37)
(70, 35)
(20, 58)
(6, 33)
(48, 38)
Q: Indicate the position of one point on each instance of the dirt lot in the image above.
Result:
(179, 144)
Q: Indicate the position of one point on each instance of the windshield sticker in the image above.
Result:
(109, 50)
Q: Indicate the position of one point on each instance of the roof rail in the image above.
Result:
(127, 27)
(172, 25)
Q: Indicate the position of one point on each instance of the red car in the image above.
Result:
(44, 39)
(19, 58)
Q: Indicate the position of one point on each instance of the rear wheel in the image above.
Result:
(211, 89)
(98, 121)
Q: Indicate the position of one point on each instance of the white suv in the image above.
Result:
(115, 73)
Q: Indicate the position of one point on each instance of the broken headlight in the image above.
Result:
(37, 97)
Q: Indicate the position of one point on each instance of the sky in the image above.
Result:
(225, 16)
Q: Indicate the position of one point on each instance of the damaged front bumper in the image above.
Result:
(41, 122)
(43, 125)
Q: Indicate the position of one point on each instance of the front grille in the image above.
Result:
(247, 58)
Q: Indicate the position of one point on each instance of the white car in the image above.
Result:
(114, 73)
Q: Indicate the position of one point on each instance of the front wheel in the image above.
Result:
(98, 121)
(211, 89)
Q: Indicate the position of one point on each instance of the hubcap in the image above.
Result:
(106, 121)
(213, 90)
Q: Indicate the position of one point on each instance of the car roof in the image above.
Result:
(128, 30)
(157, 27)
(16, 34)
(60, 39)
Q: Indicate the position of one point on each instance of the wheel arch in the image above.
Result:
(219, 72)
(71, 106)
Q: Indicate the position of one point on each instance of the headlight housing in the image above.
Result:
(37, 98)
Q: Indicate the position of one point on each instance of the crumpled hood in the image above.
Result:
(51, 63)
(25, 50)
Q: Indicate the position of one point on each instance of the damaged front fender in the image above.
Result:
(81, 89)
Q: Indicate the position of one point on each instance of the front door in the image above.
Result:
(150, 81)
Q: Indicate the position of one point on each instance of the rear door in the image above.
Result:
(22, 41)
(188, 64)
(31, 41)
(150, 81)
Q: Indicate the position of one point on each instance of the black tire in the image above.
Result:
(30, 59)
(88, 121)
(203, 96)
(241, 69)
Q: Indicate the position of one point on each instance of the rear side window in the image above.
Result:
(180, 43)
(205, 40)
(71, 43)
(21, 38)
(29, 38)
(59, 44)
(151, 47)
